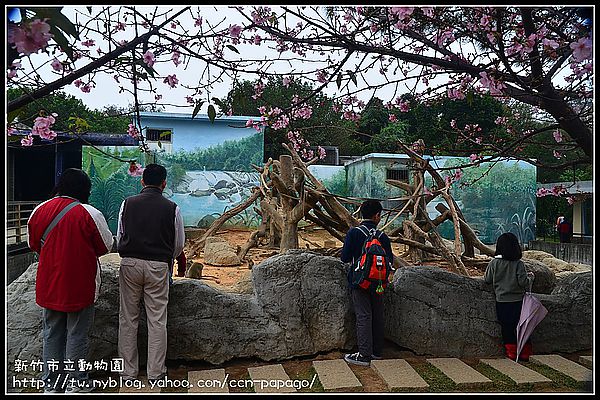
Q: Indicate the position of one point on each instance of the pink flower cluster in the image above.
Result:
(29, 38)
(149, 58)
(171, 80)
(135, 169)
(41, 127)
(450, 179)
(582, 49)
(555, 191)
(133, 131)
(494, 86)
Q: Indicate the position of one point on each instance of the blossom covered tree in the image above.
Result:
(538, 56)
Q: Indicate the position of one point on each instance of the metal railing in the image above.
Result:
(17, 214)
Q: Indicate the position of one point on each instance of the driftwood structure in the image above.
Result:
(289, 192)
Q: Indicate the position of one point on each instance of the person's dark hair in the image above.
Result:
(154, 174)
(508, 247)
(369, 208)
(74, 183)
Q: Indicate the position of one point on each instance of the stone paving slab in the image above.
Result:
(147, 388)
(515, 371)
(586, 361)
(335, 374)
(270, 376)
(458, 371)
(208, 381)
(567, 367)
(397, 373)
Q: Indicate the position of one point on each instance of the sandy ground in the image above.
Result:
(230, 278)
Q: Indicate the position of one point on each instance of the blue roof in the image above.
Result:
(97, 139)
(224, 118)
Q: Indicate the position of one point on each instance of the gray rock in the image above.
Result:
(568, 325)
(220, 253)
(545, 278)
(446, 315)
(301, 308)
(435, 312)
(221, 184)
(206, 221)
(300, 305)
(201, 192)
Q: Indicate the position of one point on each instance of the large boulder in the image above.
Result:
(300, 306)
(545, 278)
(217, 251)
(435, 312)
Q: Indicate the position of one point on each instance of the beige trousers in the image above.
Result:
(150, 279)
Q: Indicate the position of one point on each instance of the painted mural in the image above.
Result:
(494, 198)
(203, 181)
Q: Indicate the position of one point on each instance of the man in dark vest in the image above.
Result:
(150, 235)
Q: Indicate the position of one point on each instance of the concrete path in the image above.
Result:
(517, 372)
(458, 371)
(398, 374)
(586, 361)
(335, 374)
(271, 379)
(565, 366)
(208, 381)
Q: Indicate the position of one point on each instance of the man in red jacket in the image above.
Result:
(69, 236)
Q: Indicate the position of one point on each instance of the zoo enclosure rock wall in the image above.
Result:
(301, 306)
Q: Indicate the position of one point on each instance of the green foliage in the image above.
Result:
(231, 155)
(108, 194)
(337, 183)
(324, 128)
(71, 110)
(372, 120)
(387, 140)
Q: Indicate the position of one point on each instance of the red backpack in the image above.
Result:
(373, 266)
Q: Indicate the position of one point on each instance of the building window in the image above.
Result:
(397, 174)
(159, 135)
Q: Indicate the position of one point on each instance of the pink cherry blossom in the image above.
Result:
(557, 136)
(88, 43)
(149, 58)
(27, 141)
(78, 82)
(133, 131)
(473, 157)
(198, 21)
(135, 169)
(392, 118)
(29, 38)
(322, 152)
(542, 192)
(86, 88)
(120, 26)
(171, 80)
(495, 87)
(235, 30)
(404, 107)
(582, 49)
(455, 94)
(556, 154)
(175, 58)
(41, 127)
(57, 65)
(322, 76)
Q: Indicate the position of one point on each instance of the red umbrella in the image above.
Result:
(532, 313)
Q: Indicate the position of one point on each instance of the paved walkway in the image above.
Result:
(396, 374)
